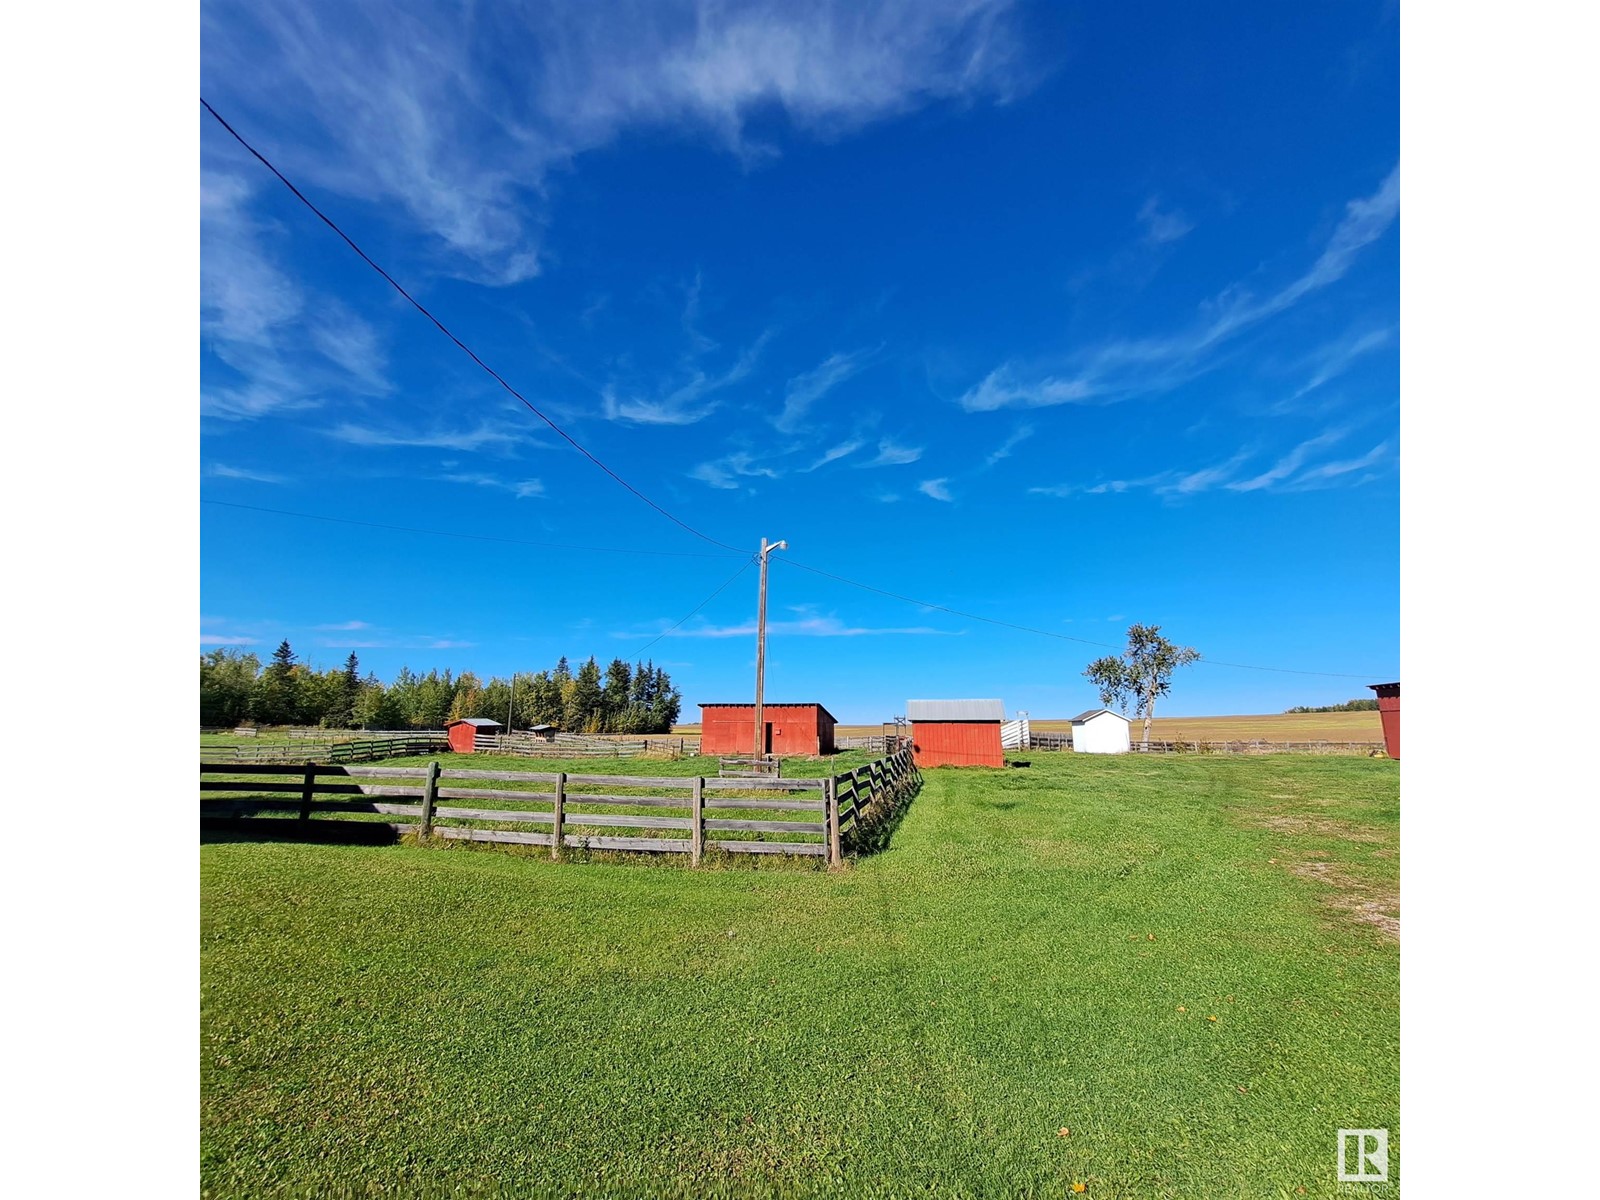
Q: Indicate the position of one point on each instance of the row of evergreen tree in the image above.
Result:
(235, 687)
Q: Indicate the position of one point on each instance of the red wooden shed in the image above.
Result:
(463, 731)
(956, 733)
(1389, 712)
(790, 728)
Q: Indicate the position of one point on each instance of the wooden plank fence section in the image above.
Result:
(1063, 741)
(350, 751)
(574, 745)
(1045, 740)
(1256, 746)
(788, 816)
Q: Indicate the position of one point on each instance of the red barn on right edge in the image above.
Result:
(1389, 711)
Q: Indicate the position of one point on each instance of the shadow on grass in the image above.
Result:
(278, 829)
(874, 829)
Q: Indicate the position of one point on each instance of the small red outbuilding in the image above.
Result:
(956, 733)
(790, 729)
(462, 732)
(1389, 712)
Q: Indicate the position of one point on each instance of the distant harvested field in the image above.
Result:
(1272, 727)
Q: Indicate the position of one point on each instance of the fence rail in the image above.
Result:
(568, 811)
(1063, 741)
(1256, 746)
(569, 745)
(1044, 740)
(348, 751)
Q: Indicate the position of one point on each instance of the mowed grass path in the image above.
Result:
(414, 1021)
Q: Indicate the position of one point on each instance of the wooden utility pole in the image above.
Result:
(761, 645)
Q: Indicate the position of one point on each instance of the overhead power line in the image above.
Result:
(725, 584)
(475, 537)
(956, 612)
(466, 349)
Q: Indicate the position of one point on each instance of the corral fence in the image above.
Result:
(345, 750)
(1040, 740)
(1256, 746)
(570, 812)
(876, 743)
(1037, 740)
(572, 745)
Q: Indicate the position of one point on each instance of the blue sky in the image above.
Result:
(1067, 317)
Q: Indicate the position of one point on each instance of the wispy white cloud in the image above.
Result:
(1163, 225)
(522, 489)
(385, 640)
(725, 472)
(410, 111)
(1187, 483)
(1019, 435)
(1121, 369)
(834, 454)
(244, 297)
(807, 388)
(936, 489)
(1288, 465)
(813, 626)
(1322, 474)
(286, 353)
(500, 436)
(344, 338)
(1335, 359)
(228, 631)
(891, 454)
(223, 471)
(1295, 470)
(343, 626)
(688, 402)
(1008, 387)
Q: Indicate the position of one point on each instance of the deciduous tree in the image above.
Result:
(227, 679)
(1141, 674)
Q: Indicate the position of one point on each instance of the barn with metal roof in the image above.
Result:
(464, 731)
(956, 733)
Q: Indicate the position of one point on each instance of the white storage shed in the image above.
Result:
(1100, 731)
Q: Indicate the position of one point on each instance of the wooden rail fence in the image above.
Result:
(568, 745)
(1256, 746)
(349, 751)
(570, 811)
(1038, 740)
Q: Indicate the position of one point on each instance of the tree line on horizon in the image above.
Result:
(1368, 705)
(235, 688)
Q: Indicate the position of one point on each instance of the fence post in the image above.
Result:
(558, 826)
(697, 827)
(306, 794)
(430, 796)
(830, 796)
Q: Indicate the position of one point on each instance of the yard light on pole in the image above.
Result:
(761, 644)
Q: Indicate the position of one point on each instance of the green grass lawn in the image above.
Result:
(1038, 949)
